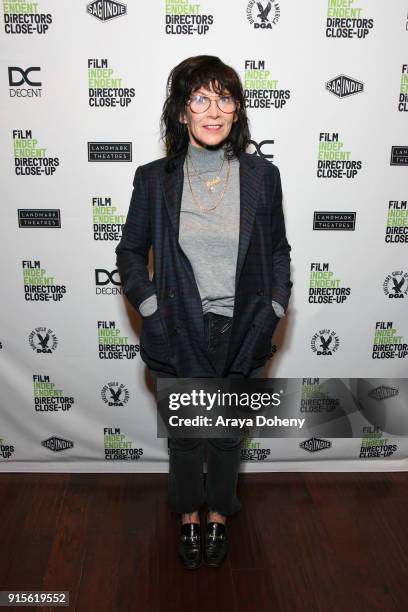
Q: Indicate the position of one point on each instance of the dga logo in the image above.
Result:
(315, 444)
(39, 217)
(115, 394)
(374, 445)
(30, 159)
(105, 10)
(105, 88)
(43, 340)
(103, 278)
(47, 398)
(396, 285)
(334, 221)
(57, 444)
(262, 148)
(325, 342)
(346, 21)
(109, 151)
(403, 97)
(253, 451)
(387, 345)
(6, 450)
(38, 287)
(17, 77)
(107, 223)
(118, 448)
(383, 392)
(22, 17)
(399, 156)
(343, 86)
(324, 289)
(260, 91)
(183, 17)
(112, 345)
(315, 399)
(333, 162)
(263, 15)
(397, 221)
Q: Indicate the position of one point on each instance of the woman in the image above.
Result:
(213, 215)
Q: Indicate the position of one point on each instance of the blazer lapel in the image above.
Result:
(173, 191)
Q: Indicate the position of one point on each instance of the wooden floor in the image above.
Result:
(323, 541)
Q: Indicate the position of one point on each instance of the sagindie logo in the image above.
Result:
(373, 444)
(325, 342)
(383, 392)
(323, 288)
(346, 21)
(387, 345)
(183, 17)
(343, 86)
(105, 10)
(397, 221)
(118, 447)
(115, 394)
(17, 77)
(43, 340)
(48, 398)
(260, 91)
(403, 96)
(103, 278)
(105, 88)
(333, 162)
(57, 444)
(263, 15)
(112, 345)
(107, 224)
(22, 17)
(28, 158)
(315, 399)
(38, 287)
(262, 148)
(315, 444)
(395, 285)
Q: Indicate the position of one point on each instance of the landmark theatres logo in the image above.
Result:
(105, 10)
(383, 392)
(333, 161)
(343, 86)
(17, 77)
(395, 285)
(105, 88)
(57, 444)
(38, 286)
(109, 151)
(22, 17)
(43, 340)
(315, 444)
(263, 15)
(182, 17)
(344, 20)
(107, 224)
(118, 447)
(325, 342)
(39, 217)
(115, 394)
(262, 148)
(403, 96)
(112, 345)
(397, 221)
(324, 289)
(260, 91)
(327, 220)
(47, 398)
(315, 399)
(30, 159)
(387, 345)
(399, 156)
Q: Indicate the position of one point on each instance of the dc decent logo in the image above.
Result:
(103, 278)
(263, 15)
(262, 148)
(17, 77)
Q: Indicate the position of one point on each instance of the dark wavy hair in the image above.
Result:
(188, 76)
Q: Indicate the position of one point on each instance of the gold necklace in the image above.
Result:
(210, 183)
(222, 194)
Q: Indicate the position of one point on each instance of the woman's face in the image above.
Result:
(211, 127)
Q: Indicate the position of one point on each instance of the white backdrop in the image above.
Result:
(49, 114)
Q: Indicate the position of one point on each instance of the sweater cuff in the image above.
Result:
(279, 311)
(148, 306)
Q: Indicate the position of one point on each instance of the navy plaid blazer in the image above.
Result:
(172, 338)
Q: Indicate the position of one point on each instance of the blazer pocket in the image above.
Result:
(153, 337)
(264, 341)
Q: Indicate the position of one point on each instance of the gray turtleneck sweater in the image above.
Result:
(209, 238)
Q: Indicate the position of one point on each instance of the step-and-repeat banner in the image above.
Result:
(82, 86)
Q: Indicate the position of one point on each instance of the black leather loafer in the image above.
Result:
(189, 548)
(216, 544)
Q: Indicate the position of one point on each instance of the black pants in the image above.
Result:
(186, 486)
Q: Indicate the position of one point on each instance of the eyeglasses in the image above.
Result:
(199, 103)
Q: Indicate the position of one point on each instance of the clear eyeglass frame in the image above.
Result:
(192, 102)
